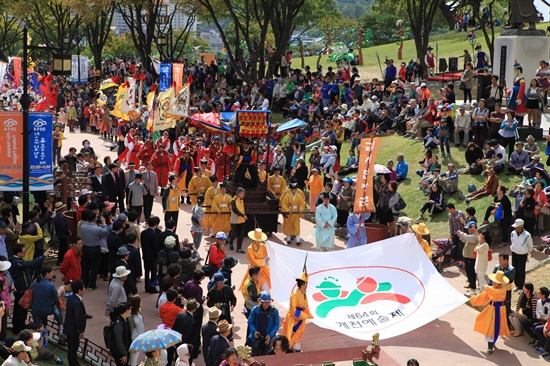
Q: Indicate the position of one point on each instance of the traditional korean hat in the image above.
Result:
(257, 235)
(304, 276)
(499, 278)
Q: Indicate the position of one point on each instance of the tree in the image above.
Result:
(176, 40)
(448, 10)
(11, 31)
(334, 28)
(421, 14)
(97, 17)
(52, 22)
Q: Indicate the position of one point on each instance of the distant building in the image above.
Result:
(214, 40)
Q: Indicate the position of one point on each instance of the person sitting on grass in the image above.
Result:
(519, 159)
(488, 189)
(430, 140)
(449, 180)
(435, 203)
(426, 162)
(427, 180)
(473, 155)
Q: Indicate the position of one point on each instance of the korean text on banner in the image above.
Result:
(367, 289)
(40, 151)
(11, 151)
(165, 77)
(177, 70)
(364, 195)
(253, 123)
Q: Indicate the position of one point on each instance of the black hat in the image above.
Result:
(277, 168)
(213, 178)
(293, 185)
(138, 175)
(197, 169)
(326, 195)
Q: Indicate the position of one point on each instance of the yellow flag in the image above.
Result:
(162, 122)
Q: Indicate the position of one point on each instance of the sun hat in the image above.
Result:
(20, 346)
(109, 205)
(123, 251)
(214, 313)
(85, 192)
(223, 326)
(535, 157)
(5, 265)
(228, 262)
(121, 271)
(218, 277)
(420, 229)
(257, 235)
(265, 297)
(192, 304)
(499, 278)
(170, 242)
(59, 205)
(518, 223)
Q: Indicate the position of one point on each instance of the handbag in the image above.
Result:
(462, 86)
(499, 213)
(26, 301)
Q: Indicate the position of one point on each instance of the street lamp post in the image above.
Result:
(61, 66)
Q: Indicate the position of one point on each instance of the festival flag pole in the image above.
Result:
(379, 64)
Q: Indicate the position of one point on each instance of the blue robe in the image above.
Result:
(355, 225)
(324, 237)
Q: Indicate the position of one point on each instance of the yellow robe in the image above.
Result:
(221, 222)
(206, 173)
(28, 242)
(256, 258)
(277, 185)
(208, 198)
(485, 321)
(297, 300)
(291, 204)
(262, 176)
(198, 186)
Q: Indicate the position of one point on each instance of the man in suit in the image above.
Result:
(114, 241)
(170, 227)
(75, 321)
(218, 344)
(121, 181)
(149, 245)
(185, 324)
(110, 186)
(209, 330)
(97, 179)
(151, 186)
(134, 260)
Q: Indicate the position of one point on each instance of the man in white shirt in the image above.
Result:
(522, 244)
(500, 161)
(463, 122)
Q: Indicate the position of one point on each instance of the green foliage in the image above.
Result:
(119, 45)
(353, 8)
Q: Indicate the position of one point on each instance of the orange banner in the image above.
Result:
(11, 151)
(177, 76)
(364, 191)
(17, 71)
(253, 123)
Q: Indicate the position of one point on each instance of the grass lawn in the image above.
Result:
(450, 44)
(415, 199)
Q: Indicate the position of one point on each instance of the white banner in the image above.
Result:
(3, 71)
(76, 66)
(388, 287)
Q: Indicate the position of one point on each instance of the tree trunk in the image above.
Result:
(448, 13)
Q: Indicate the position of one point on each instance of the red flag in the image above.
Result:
(115, 79)
(142, 77)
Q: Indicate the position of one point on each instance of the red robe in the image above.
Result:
(161, 166)
(145, 153)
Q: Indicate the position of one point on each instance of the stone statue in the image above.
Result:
(522, 11)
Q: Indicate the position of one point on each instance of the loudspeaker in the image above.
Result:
(453, 64)
(442, 64)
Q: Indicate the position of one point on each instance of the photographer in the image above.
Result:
(222, 297)
(263, 323)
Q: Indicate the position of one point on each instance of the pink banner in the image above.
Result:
(17, 71)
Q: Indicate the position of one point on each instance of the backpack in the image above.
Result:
(108, 334)
(162, 265)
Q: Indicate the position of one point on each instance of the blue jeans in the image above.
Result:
(197, 239)
(444, 142)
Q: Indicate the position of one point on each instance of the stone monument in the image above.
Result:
(527, 46)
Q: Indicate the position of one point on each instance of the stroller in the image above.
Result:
(443, 249)
(544, 245)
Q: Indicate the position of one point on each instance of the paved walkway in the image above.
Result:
(448, 340)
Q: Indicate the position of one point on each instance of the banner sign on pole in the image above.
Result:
(83, 67)
(40, 151)
(165, 77)
(11, 151)
(3, 71)
(367, 289)
(364, 195)
(178, 76)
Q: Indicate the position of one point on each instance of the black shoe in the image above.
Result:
(299, 244)
(231, 247)
(240, 251)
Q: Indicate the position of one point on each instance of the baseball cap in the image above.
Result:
(470, 224)
(221, 235)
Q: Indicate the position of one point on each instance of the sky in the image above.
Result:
(543, 8)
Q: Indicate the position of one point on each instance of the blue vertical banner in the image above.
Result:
(40, 151)
(165, 76)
